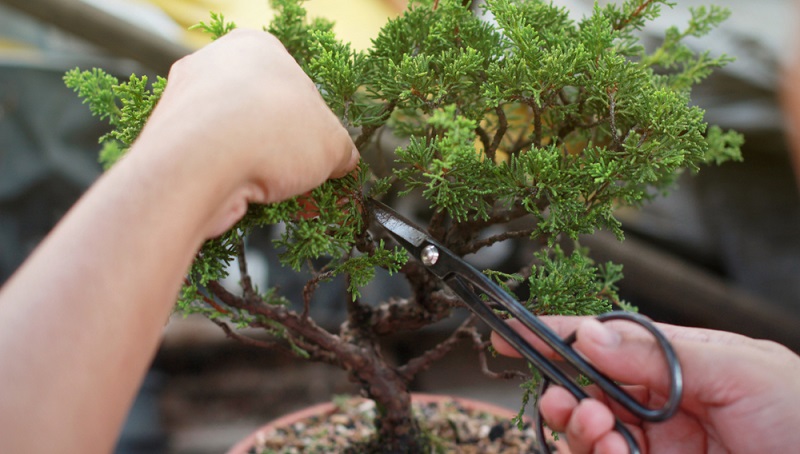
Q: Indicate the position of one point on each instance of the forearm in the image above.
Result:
(80, 321)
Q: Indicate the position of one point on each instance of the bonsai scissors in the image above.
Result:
(469, 284)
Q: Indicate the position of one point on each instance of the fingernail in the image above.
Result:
(600, 334)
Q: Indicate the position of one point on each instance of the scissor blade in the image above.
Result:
(401, 228)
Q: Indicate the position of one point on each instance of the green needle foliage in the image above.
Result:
(514, 111)
(126, 106)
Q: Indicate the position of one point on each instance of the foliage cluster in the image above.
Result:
(515, 113)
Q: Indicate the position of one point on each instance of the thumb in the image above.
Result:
(630, 355)
(627, 353)
(347, 153)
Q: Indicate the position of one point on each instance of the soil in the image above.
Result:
(347, 425)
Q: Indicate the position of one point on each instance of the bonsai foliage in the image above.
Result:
(513, 114)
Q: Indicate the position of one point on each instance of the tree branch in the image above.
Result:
(208, 300)
(408, 314)
(537, 123)
(487, 143)
(436, 226)
(368, 131)
(524, 272)
(502, 127)
(416, 365)
(308, 291)
(480, 244)
(321, 344)
(480, 346)
(636, 13)
(246, 281)
(612, 119)
(266, 344)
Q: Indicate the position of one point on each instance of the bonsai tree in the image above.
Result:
(513, 114)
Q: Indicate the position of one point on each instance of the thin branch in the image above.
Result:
(208, 300)
(305, 332)
(310, 288)
(520, 145)
(642, 139)
(480, 346)
(480, 244)
(537, 123)
(498, 216)
(436, 226)
(524, 272)
(423, 284)
(409, 314)
(246, 340)
(592, 124)
(628, 134)
(485, 140)
(612, 118)
(465, 230)
(563, 97)
(639, 10)
(358, 315)
(421, 363)
(502, 127)
(368, 131)
(523, 140)
(246, 281)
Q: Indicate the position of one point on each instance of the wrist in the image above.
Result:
(192, 183)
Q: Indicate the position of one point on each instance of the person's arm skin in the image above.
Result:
(80, 321)
(789, 91)
(740, 395)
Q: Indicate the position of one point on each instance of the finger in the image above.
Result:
(589, 422)
(639, 393)
(563, 326)
(631, 357)
(591, 429)
(625, 357)
(348, 156)
(611, 443)
(556, 405)
(629, 354)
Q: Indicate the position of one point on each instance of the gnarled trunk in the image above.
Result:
(397, 430)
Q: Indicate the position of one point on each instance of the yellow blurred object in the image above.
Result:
(357, 21)
(11, 45)
(520, 130)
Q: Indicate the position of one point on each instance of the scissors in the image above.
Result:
(466, 281)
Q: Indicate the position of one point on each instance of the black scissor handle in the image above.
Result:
(553, 374)
(458, 269)
(457, 282)
(618, 394)
(673, 369)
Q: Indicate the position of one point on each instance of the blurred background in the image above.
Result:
(721, 251)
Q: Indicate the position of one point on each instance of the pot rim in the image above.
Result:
(328, 408)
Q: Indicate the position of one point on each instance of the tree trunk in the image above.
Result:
(397, 430)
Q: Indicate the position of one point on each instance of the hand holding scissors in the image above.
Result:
(466, 282)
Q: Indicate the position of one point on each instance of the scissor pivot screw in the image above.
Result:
(430, 255)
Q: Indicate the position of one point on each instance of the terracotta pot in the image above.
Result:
(329, 408)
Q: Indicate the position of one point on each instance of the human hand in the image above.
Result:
(238, 122)
(241, 114)
(740, 395)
